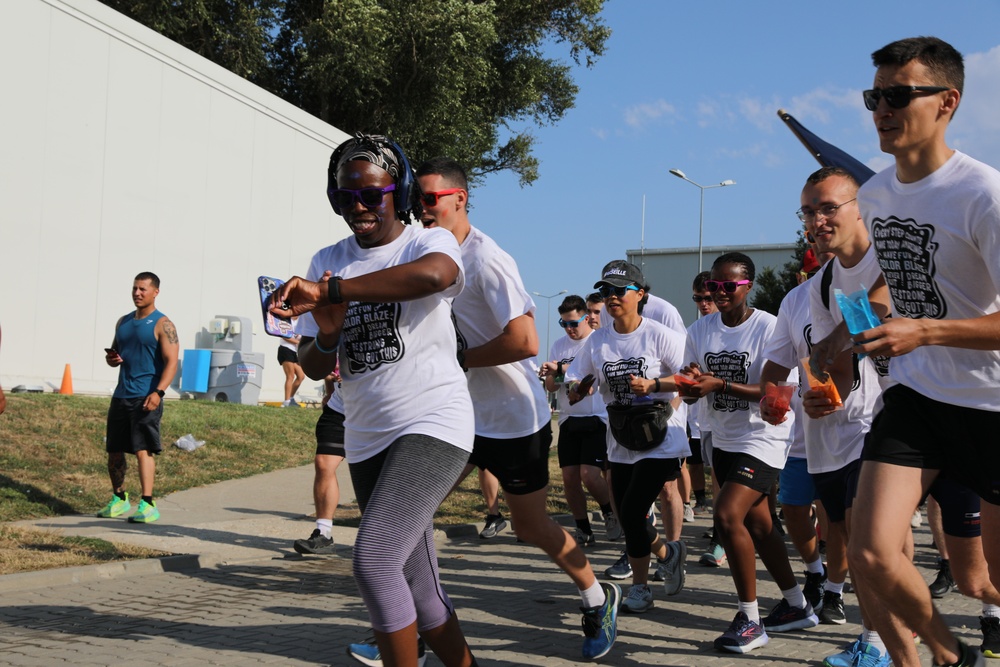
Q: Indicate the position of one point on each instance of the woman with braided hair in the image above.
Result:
(381, 301)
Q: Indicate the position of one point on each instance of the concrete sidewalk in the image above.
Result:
(242, 596)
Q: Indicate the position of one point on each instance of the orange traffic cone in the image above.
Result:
(67, 382)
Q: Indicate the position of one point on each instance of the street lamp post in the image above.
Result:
(548, 318)
(701, 215)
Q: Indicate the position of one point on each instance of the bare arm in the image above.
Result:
(166, 335)
(900, 335)
(430, 274)
(518, 341)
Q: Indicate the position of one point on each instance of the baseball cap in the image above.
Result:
(620, 274)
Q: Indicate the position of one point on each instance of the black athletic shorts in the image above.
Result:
(959, 507)
(286, 354)
(695, 457)
(330, 432)
(738, 468)
(131, 428)
(583, 441)
(520, 464)
(918, 432)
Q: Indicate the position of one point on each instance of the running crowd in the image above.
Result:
(835, 412)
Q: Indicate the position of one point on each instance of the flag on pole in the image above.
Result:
(826, 154)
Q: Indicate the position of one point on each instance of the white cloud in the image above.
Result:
(640, 115)
(759, 112)
(599, 132)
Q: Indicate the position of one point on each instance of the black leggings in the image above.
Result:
(636, 486)
(395, 563)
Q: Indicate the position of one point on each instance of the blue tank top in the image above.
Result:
(142, 360)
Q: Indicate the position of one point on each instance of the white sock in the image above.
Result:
(991, 610)
(285, 403)
(751, 610)
(871, 637)
(834, 588)
(325, 527)
(815, 567)
(593, 596)
(795, 598)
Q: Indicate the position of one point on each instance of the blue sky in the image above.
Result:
(696, 86)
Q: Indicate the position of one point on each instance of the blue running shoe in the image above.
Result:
(600, 624)
(742, 636)
(367, 653)
(858, 654)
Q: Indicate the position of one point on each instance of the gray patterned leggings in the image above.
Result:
(395, 562)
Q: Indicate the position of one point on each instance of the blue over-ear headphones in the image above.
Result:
(407, 193)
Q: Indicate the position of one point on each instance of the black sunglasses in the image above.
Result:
(344, 198)
(606, 290)
(897, 97)
(699, 299)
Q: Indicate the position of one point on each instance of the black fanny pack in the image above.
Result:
(639, 427)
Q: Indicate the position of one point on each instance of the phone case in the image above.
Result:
(274, 325)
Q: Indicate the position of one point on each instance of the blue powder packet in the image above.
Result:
(857, 311)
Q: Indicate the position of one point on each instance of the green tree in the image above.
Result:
(771, 286)
(463, 78)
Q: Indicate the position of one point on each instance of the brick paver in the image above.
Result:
(515, 606)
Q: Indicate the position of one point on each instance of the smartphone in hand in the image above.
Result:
(274, 325)
(583, 389)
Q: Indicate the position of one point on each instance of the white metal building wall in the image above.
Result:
(121, 152)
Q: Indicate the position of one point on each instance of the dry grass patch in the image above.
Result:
(29, 550)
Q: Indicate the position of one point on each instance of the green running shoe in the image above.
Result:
(115, 507)
(147, 513)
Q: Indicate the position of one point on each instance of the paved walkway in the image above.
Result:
(244, 597)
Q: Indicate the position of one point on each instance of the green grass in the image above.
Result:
(53, 462)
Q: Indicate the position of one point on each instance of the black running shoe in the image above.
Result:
(991, 636)
(813, 590)
(316, 544)
(944, 583)
(832, 612)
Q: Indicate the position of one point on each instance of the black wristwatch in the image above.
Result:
(334, 290)
(160, 392)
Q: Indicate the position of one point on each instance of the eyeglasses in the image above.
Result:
(897, 97)
(700, 299)
(607, 290)
(728, 286)
(572, 324)
(431, 198)
(826, 210)
(343, 198)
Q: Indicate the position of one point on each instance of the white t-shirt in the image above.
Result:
(509, 400)
(833, 441)
(737, 354)
(291, 344)
(565, 350)
(938, 243)
(398, 361)
(651, 351)
(656, 309)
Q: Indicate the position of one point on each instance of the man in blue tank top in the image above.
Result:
(145, 348)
